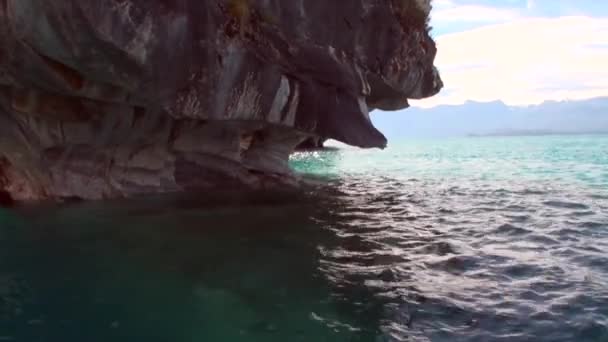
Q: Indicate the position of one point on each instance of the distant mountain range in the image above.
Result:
(496, 118)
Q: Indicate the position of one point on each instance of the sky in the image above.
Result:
(521, 52)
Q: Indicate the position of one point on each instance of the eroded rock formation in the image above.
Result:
(111, 98)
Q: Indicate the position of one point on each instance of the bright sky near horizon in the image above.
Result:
(520, 51)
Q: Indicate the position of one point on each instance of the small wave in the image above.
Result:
(521, 271)
(532, 296)
(591, 249)
(508, 229)
(598, 262)
(543, 316)
(457, 264)
(543, 239)
(532, 192)
(583, 213)
(439, 248)
(446, 211)
(518, 218)
(515, 207)
(598, 197)
(566, 205)
(593, 225)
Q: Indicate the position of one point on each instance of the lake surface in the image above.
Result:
(473, 239)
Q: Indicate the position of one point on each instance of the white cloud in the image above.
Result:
(526, 61)
(531, 4)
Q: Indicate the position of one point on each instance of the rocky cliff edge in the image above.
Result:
(116, 98)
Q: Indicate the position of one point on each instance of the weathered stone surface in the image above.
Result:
(110, 98)
(312, 143)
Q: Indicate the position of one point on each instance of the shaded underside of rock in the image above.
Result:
(114, 98)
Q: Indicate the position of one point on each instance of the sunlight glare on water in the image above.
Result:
(485, 239)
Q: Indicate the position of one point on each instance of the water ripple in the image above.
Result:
(476, 240)
(499, 264)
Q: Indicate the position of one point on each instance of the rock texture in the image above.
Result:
(312, 143)
(112, 98)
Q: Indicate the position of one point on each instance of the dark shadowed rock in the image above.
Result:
(311, 143)
(5, 199)
(112, 98)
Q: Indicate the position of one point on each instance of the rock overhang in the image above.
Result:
(137, 96)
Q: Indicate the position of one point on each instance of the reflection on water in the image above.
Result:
(367, 257)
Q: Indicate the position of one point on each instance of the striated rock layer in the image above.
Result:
(112, 98)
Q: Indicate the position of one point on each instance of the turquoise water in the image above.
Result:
(573, 160)
(473, 239)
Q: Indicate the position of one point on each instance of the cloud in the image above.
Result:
(530, 4)
(525, 61)
(450, 16)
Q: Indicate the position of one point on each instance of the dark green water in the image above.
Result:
(498, 239)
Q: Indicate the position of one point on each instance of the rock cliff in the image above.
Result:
(113, 98)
